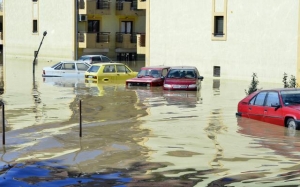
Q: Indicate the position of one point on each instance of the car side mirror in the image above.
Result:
(275, 105)
(201, 78)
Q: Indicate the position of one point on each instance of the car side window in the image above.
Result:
(68, 66)
(96, 58)
(272, 98)
(109, 69)
(121, 68)
(105, 59)
(82, 66)
(260, 98)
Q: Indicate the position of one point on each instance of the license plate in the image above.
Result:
(179, 86)
(90, 76)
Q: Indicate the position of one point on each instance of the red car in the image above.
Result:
(276, 106)
(183, 78)
(149, 76)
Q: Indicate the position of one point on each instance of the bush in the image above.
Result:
(253, 85)
(292, 82)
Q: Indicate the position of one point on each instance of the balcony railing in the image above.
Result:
(120, 37)
(129, 8)
(101, 7)
(120, 3)
(94, 40)
(103, 4)
(126, 40)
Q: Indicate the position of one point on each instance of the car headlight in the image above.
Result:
(167, 86)
(192, 85)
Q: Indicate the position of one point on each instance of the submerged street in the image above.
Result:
(137, 136)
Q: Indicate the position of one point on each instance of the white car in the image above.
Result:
(66, 69)
(92, 59)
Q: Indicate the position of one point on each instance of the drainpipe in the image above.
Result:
(76, 29)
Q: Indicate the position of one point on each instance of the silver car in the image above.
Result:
(92, 59)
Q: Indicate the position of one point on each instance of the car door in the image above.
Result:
(109, 73)
(256, 106)
(68, 69)
(123, 73)
(81, 68)
(272, 111)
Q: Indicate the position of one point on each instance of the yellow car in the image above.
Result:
(107, 72)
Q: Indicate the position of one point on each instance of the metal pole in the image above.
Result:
(80, 120)
(36, 54)
(3, 124)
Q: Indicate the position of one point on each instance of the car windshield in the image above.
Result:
(290, 97)
(55, 65)
(93, 69)
(149, 73)
(182, 73)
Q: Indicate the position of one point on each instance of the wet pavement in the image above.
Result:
(137, 136)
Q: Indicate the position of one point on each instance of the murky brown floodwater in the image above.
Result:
(138, 137)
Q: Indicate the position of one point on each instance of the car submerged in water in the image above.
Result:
(149, 76)
(183, 78)
(276, 106)
(109, 72)
(66, 69)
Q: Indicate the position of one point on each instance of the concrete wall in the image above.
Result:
(261, 37)
(55, 16)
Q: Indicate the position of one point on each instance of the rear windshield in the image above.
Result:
(93, 69)
(182, 73)
(149, 72)
(290, 97)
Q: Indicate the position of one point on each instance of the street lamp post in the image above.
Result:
(35, 55)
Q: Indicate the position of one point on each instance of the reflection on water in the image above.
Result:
(138, 137)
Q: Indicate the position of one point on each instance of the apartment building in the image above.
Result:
(224, 38)
(74, 28)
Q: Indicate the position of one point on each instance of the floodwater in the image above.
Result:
(137, 137)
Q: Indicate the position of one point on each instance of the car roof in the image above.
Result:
(155, 67)
(183, 67)
(107, 63)
(91, 55)
(280, 89)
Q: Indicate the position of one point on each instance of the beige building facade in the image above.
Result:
(225, 38)
(74, 28)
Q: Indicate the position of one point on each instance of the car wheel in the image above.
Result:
(291, 124)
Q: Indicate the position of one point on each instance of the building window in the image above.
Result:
(34, 26)
(219, 20)
(217, 71)
(219, 26)
(94, 26)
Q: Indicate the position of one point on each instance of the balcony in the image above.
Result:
(96, 7)
(128, 9)
(142, 4)
(126, 41)
(141, 44)
(100, 40)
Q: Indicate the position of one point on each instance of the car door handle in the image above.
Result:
(250, 108)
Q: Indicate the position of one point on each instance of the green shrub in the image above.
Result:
(292, 82)
(253, 85)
